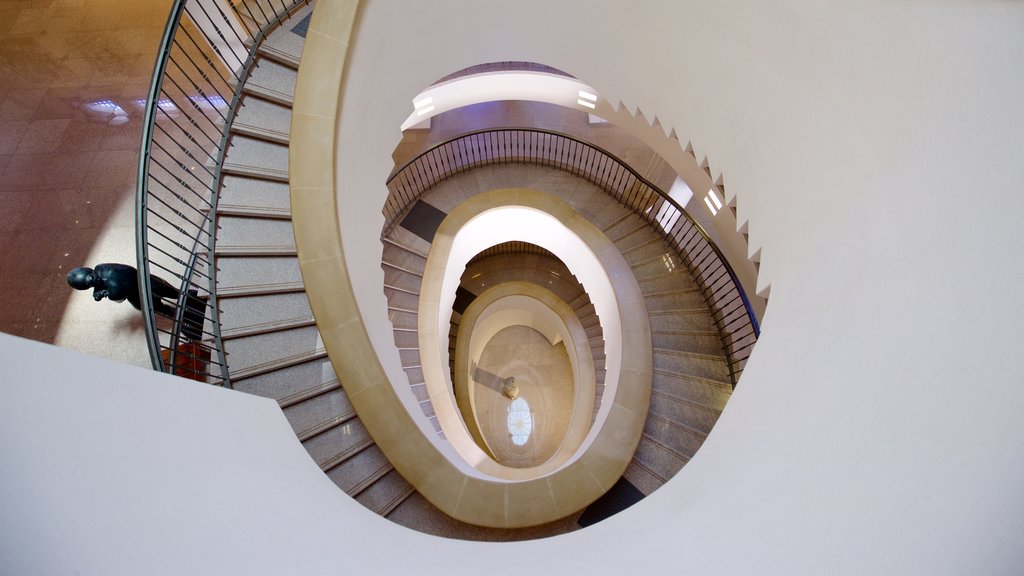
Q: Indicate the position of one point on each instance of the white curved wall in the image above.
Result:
(521, 223)
(876, 151)
(874, 147)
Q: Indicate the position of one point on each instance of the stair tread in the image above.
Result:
(264, 117)
(259, 289)
(249, 192)
(277, 364)
(279, 52)
(256, 250)
(340, 458)
(693, 378)
(255, 172)
(303, 395)
(237, 232)
(324, 426)
(272, 81)
(253, 211)
(702, 355)
(267, 327)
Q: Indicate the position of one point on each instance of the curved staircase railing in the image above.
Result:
(720, 287)
(205, 56)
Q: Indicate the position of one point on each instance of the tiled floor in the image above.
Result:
(72, 73)
(544, 378)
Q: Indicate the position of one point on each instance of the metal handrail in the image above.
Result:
(720, 287)
(205, 57)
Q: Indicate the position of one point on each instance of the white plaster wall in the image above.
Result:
(876, 150)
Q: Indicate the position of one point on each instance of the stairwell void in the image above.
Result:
(264, 337)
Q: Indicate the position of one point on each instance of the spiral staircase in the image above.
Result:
(272, 348)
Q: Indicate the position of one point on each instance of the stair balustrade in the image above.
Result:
(207, 52)
(720, 287)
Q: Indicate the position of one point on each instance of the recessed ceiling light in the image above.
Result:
(711, 206)
(714, 198)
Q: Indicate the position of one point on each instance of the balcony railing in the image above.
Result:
(733, 316)
(207, 52)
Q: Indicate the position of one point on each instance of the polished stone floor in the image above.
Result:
(72, 75)
(527, 431)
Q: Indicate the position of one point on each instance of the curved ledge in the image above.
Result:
(484, 502)
(600, 267)
(577, 346)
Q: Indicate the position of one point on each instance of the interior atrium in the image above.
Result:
(683, 287)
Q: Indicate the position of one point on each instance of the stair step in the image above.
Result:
(308, 393)
(585, 311)
(386, 493)
(403, 290)
(392, 241)
(664, 280)
(658, 459)
(403, 258)
(415, 375)
(264, 118)
(617, 221)
(267, 327)
(702, 365)
(271, 81)
(420, 392)
(335, 467)
(400, 299)
(242, 191)
(260, 133)
(669, 379)
(628, 228)
(654, 248)
(282, 98)
(676, 436)
(256, 155)
(410, 357)
(256, 234)
(254, 251)
(398, 267)
(406, 339)
(580, 301)
(325, 426)
(278, 55)
(645, 480)
(401, 279)
(254, 212)
(681, 320)
(257, 274)
(656, 265)
(408, 240)
(590, 321)
(318, 413)
(243, 291)
(262, 353)
(694, 342)
(255, 172)
(691, 414)
(292, 384)
(337, 444)
(361, 470)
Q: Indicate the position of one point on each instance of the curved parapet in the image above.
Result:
(454, 488)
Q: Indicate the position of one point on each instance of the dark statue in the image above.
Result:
(120, 282)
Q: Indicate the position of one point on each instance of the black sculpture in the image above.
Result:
(120, 282)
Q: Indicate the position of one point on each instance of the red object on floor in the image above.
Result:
(191, 361)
